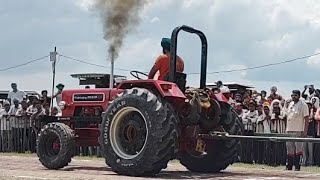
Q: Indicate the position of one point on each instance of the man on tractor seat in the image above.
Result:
(163, 62)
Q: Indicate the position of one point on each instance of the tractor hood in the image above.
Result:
(73, 98)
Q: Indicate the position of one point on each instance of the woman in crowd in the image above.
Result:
(279, 126)
(263, 112)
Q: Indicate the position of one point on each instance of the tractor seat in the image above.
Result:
(180, 80)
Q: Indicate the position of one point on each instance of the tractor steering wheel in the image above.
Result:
(136, 74)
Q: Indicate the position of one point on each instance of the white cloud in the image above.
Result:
(155, 20)
(84, 4)
(315, 60)
(195, 3)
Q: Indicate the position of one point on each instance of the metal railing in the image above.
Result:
(18, 134)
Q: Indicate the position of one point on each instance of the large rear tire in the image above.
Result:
(220, 154)
(55, 145)
(139, 134)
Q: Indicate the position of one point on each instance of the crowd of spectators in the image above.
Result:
(18, 114)
(263, 113)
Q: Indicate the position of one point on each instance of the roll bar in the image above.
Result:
(173, 53)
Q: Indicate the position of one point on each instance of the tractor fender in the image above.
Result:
(221, 97)
(164, 88)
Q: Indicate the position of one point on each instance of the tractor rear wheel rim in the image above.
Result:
(128, 133)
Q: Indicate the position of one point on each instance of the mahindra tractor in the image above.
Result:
(143, 124)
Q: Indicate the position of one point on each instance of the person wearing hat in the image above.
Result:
(162, 63)
(58, 95)
(297, 125)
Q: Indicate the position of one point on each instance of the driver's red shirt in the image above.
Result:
(163, 65)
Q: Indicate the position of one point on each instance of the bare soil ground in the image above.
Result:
(13, 166)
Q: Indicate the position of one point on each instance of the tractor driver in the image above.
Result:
(162, 63)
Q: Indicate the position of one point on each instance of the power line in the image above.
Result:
(215, 72)
(92, 64)
(26, 63)
(262, 66)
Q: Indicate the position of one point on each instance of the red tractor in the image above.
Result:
(147, 123)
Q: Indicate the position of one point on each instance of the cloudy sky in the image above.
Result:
(241, 34)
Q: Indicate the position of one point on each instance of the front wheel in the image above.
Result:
(138, 133)
(55, 145)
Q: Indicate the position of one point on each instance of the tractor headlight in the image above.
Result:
(62, 105)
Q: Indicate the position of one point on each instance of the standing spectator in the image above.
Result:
(14, 123)
(269, 153)
(32, 108)
(35, 122)
(22, 120)
(239, 109)
(16, 94)
(279, 126)
(308, 146)
(237, 98)
(277, 117)
(274, 95)
(58, 95)
(260, 145)
(312, 92)
(267, 125)
(255, 96)
(46, 108)
(263, 97)
(44, 98)
(23, 110)
(297, 125)
(246, 99)
(5, 128)
(15, 107)
(317, 145)
(249, 120)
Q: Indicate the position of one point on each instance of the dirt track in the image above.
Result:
(17, 167)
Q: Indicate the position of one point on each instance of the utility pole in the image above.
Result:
(53, 59)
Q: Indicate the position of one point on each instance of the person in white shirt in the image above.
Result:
(16, 94)
(249, 120)
(21, 114)
(312, 92)
(277, 117)
(5, 128)
(297, 125)
(15, 107)
(32, 108)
